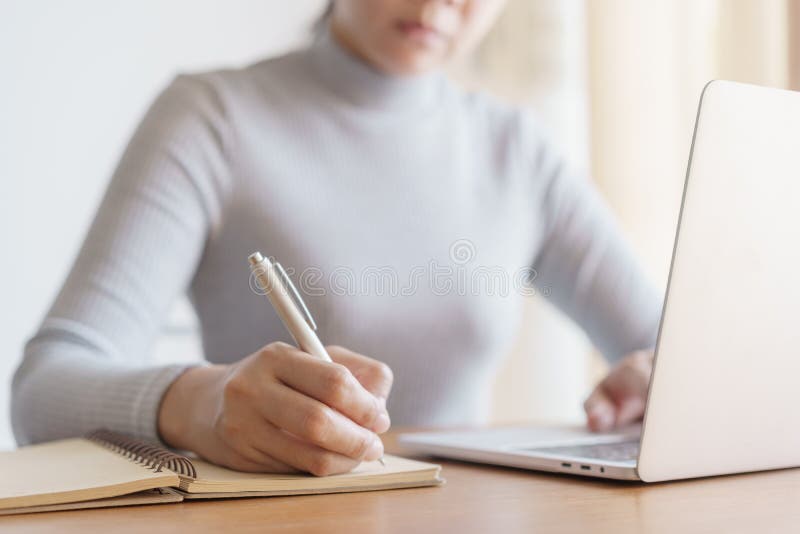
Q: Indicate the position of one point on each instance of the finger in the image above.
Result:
(296, 453)
(375, 376)
(630, 378)
(334, 385)
(231, 445)
(630, 409)
(243, 457)
(627, 385)
(319, 424)
(600, 410)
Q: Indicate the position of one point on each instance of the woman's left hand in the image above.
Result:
(620, 398)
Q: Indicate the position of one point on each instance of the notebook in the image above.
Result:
(110, 469)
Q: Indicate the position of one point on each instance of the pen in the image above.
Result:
(289, 304)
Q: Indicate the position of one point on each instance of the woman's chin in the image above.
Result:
(411, 62)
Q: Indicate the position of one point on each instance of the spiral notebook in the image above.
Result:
(109, 469)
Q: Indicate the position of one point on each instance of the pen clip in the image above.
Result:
(295, 295)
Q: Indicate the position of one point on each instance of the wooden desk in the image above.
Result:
(475, 499)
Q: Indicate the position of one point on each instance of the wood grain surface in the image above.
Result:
(478, 499)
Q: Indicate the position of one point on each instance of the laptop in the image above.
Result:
(724, 395)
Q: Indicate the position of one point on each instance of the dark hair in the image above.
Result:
(322, 20)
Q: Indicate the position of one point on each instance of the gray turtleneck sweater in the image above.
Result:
(411, 213)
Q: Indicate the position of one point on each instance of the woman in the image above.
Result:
(353, 156)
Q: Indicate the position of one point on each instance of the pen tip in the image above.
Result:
(381, 461)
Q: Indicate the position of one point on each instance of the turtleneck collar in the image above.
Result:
(363, 85)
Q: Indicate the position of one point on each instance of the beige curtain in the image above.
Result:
(619, 81)
(648, 63)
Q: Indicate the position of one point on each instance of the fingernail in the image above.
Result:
(375, 450)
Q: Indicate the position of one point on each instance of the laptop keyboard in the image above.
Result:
(617, 451)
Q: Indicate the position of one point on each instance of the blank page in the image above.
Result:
(213, 478)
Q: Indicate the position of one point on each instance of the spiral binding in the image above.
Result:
(148, 454)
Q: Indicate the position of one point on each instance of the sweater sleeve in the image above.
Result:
(87, 366)
(585, 265)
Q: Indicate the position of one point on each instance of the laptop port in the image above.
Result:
(566, 464)
(586, 467)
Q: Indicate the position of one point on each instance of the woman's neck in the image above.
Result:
(351, 75)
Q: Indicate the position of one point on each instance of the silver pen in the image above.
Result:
(290, 306)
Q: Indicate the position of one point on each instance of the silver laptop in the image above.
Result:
(725, 392)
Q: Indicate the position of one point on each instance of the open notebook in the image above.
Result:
(109, 469)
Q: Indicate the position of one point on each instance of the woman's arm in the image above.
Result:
(276, 410)
(85, 367)
(587, 267)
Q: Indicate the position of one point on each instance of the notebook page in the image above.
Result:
(152, 496)
(71, 470)
(213, 478)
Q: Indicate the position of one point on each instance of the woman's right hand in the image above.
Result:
(281, 410)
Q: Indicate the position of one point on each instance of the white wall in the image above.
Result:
(75, 77)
